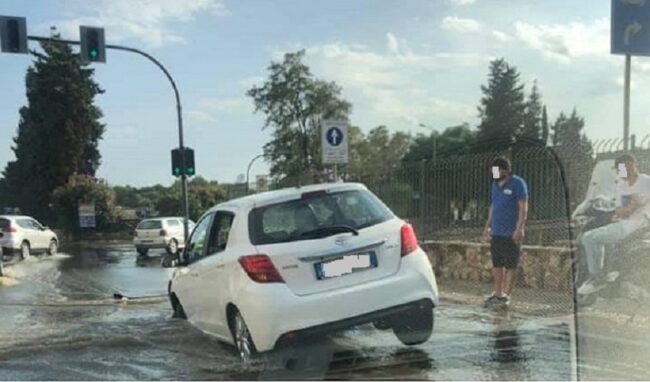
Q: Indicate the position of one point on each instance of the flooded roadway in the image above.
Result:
(58, 320)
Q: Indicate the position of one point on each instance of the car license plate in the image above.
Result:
(345, 265)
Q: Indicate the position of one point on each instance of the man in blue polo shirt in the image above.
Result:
(504, 229)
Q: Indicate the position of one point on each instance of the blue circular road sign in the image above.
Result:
(334, 136)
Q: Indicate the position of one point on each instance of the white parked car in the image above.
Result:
(24, 236)
(160, 233)
(266, 270)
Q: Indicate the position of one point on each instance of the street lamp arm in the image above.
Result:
(248, 170)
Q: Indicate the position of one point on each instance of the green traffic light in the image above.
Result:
(190, 171)
(177, 170)
(93, 53)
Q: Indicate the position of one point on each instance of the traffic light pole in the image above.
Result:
(186, 209)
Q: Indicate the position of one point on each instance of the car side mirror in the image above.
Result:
(44, 228)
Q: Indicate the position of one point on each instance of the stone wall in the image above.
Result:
(547, 268)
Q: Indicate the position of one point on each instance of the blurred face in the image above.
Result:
(499, 173)
(625, 170)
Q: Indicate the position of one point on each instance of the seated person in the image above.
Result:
(632, 214)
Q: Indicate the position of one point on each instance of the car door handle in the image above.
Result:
(220, 266)
(194, 274)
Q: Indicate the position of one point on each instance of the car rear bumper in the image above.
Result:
(272, 310)
(154, 243)
(289, 338)
(8, 244)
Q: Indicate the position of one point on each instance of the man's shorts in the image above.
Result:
(505, 253)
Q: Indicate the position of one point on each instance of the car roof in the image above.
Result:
(161, 218)
(285, 194)
(12, 217)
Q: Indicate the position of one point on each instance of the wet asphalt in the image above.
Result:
(59, 321)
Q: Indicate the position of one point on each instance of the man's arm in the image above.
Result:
(518, 236)
(486, 231)
(636, 202)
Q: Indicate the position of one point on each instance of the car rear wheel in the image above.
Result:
(53, 248)
(25, 250)
(172, 247)
(414, 327)
(242, 337)
(142, 251)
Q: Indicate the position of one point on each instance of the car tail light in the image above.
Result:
(409, 240)
(11, 229)
(163, 232)
(260, 269)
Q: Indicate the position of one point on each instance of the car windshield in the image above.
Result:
(295, 220)
(150, 224)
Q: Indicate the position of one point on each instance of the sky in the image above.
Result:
(400, 64)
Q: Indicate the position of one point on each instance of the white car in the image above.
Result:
(160, 233)
(23, 235)
(266, 270)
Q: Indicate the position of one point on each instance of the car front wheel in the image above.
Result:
(172, 247)
(416, 326)
(53, 248)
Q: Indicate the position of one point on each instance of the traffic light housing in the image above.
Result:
(177, 162)
(13, 34)
(190, 170)
(93, 46)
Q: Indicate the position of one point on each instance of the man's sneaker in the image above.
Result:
(491, 300)
(504, 300)
(612, 276)
(593, 284)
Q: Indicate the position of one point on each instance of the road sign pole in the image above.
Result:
(626, 103)
(336, 172)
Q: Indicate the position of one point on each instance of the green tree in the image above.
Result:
(293, 101)
(545, 127)
(533, 113)
(502, 106)
(376, 155)
(454, 141)
(84, 189)
(575, 151)
(58, 131)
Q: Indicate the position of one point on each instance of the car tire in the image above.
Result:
(25, 250)
(142, 251)
(53, 248)
(179, 312)
(172, 247)
(242, 337)
(416, 326)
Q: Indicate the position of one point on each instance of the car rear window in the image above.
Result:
(4, 224)
(150, 224)
(285, 222)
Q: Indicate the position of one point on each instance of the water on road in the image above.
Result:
(59, 320)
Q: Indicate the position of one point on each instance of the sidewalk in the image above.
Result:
(532, 302)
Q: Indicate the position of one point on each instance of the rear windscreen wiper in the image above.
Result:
(330, 230)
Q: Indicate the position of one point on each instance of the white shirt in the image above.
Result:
(641, 188)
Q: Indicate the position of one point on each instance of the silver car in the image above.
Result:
(160, 233)
(24, 235)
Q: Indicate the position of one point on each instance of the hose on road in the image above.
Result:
(118, 299)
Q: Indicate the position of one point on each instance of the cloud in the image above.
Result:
(145, 20)
(390, 86)
(201, 117)
(463, 2)
(457, 24)
(393, 45)
(564, 42)
(208, 110)
(502, 37)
